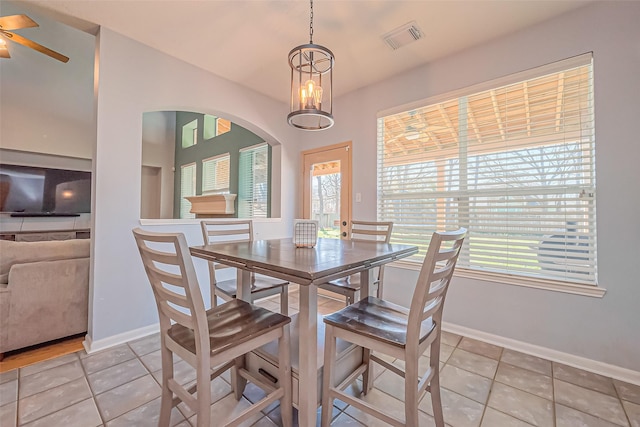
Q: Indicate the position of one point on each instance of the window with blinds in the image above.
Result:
(514, 164)
(253, 189)
(187, 188)
(215, 174)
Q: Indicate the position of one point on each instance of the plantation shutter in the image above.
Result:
(187, 188)
(215, 174)
(514, 164)
(253, 189)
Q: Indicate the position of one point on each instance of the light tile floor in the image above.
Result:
(482, 385)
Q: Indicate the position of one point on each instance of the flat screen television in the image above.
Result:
(37, 191)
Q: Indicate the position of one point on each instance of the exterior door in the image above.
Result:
(326, 177)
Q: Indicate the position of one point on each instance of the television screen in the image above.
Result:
(27, 189)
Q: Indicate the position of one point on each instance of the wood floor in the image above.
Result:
(31, 355)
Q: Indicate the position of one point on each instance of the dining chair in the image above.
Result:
(261, 286)
(382, 327)
(361, 231)
(211, 341)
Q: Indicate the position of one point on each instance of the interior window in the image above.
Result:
(190, 134)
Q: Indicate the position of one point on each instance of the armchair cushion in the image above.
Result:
(26, 252)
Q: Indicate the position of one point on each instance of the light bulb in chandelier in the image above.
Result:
(311, 95)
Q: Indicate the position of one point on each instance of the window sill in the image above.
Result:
(196, 221)
(528, 282)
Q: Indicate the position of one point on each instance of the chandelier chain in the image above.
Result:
(311, 24)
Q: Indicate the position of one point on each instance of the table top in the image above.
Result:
(329, 259)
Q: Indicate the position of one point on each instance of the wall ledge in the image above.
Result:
(196, 221)
(527, 282)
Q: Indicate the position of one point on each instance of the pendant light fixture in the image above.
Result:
(311, 84)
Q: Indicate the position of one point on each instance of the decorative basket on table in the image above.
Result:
(305, 233)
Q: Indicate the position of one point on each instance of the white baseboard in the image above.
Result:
(612, 371)
(92, 346)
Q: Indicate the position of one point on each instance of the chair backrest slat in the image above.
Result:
(224, 232)
(371, 231)
(178, 316)
(433, 281)
(170, 270)
(161, 257)
(172, 297)
(165, 276)
(227, 231)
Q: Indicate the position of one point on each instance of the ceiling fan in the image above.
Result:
(16, 22)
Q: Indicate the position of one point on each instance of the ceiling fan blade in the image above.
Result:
(33, 45)
(15, 22)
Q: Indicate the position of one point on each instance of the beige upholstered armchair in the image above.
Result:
(44, 289)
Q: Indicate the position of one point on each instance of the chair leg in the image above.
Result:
(367, 375)
(166, 401)
(436, 400)
(284, 301)
(286, 405)
(214, 297)
(379, 291)
(203, 382)
(327, 379)
(411, 388)
(434, 385)
(238, 382)
(351, 297)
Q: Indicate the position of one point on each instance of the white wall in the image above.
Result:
(46, 105)
(606, 329)
(134, 79)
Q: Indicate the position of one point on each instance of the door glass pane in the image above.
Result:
(325, 198)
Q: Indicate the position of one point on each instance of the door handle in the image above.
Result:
(344, 234)
(344, 223)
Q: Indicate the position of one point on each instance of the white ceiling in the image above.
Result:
(248, 41)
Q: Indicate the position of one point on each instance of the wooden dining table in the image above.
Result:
(308, 267)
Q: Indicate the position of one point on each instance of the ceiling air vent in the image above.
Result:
(408, 33)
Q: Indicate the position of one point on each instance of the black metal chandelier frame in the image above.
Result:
(311, 85)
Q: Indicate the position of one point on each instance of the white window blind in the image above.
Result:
(253, 189)
(187, 188)
(513, 164)
(215, 174)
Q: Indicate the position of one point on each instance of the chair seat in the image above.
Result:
(344, 284)
(261, 284)
(379, 320)
(349, 283)
(230, 324)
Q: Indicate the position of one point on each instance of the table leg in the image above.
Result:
(364, 292)
(244, 284)
(308, 374)
(364, 283)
